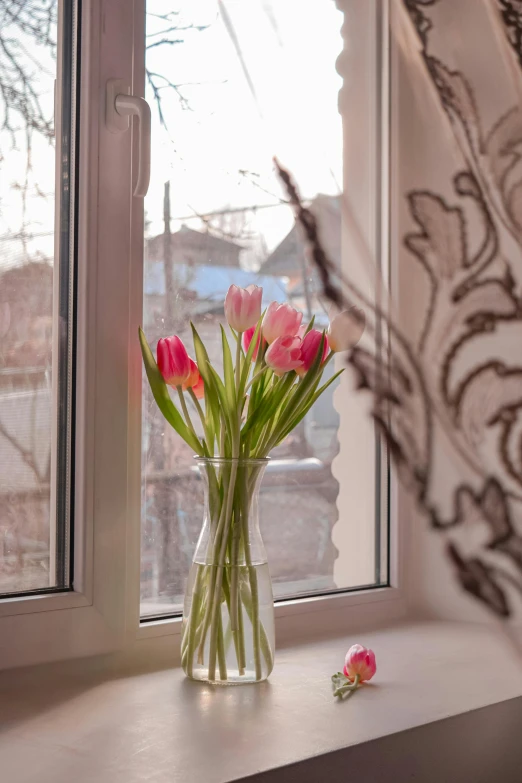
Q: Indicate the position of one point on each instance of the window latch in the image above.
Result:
(119, 107)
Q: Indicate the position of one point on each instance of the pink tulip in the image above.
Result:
(346, 329)
(281, 320)
(284, 355)
(247, 339)
(309, 349)
(193, 377)
(173, 360)
(243, 307)
(199, 388)
(359, 661)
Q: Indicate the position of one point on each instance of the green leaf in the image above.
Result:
(228, 374)
(260, 387)
(209, 426)
(230, 419)
(269, 404)
(303, 389)
(201, 354)
(306, 407)
(310, 325)
(211, 400)
(327, 384)
(161, 395)
(248, 359)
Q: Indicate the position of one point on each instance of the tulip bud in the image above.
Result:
(243, 307)
(247, 339)
(309, 348)
(346, 329)
(359, 661)
(280, 320)
(173, 360)
(284, 355)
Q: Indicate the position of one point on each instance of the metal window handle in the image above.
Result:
(119, 107)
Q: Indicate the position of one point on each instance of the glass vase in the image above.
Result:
(228, 632)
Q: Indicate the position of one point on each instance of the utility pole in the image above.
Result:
(167, 263)
(164, 507)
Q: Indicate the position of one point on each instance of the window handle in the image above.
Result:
(118, 108)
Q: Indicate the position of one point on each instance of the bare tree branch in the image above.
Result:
(26, 454)
(152, 78)
(19, 67)
(166, 40)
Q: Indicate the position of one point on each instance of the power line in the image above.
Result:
(249, 208)
(196, 216)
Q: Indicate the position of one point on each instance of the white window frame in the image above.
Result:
(102, 613)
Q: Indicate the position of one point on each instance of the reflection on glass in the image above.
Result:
(230, 85)
(27, 74)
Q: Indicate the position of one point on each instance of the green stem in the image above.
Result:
(255, 620)
(265, 643)
(193, 620)
(186, 414)
(210, 446)
(238, 364)
(241, 639)
(236, 636)
(253, 581)
(234, 573)
(221, 544)
(234, 548)
(215, 544)
(221, 649)
(349, 687)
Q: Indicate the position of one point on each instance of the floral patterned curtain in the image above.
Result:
(447, 396)
(451, 402)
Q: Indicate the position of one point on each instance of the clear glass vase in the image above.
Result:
(228, 618)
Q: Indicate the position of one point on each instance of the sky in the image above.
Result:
(276, 96)
(258, 81)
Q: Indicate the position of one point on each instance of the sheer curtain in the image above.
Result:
(448, 395)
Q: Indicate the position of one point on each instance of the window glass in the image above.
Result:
(35, 292)
(230, 84)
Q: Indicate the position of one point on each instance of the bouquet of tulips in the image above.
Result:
(272, 371)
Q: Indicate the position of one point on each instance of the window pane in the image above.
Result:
(35, 292)
(230, 85)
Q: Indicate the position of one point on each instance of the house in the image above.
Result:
(204, 287)
(26, 293)
(198, 296)
(290, 260)
(190, 247)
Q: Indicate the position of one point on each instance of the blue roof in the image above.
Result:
(211, 283)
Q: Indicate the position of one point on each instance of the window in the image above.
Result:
(99, 501)
(230, 84)
(36, 293)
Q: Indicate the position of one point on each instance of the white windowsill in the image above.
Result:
(74, 721)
